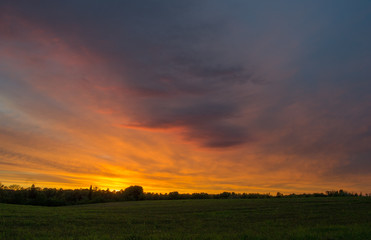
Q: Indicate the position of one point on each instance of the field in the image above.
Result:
(277, 218)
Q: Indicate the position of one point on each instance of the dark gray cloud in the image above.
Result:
(172, 60)
(204, 123)
(180, 62)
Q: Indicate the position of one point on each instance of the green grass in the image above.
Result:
(279, 218)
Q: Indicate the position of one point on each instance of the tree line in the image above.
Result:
(33, 195)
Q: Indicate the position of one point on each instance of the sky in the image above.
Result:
(188, 96)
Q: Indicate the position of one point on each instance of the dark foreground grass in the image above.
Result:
(279, 218)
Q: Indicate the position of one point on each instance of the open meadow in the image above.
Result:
(276, 218)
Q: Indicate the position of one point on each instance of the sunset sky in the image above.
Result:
(188, 96)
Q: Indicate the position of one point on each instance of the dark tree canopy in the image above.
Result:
(134, 193)
(57, 197)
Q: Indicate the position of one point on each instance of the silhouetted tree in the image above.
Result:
(90, 192)
(174, 195)
(279, 194)
(32, 193)
(225, 195)
(134, 193)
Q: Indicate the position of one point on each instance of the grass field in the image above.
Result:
(278, 218)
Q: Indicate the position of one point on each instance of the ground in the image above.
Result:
(276, 218)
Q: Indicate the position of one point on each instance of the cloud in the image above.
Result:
(263, 88)
(164, 78)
